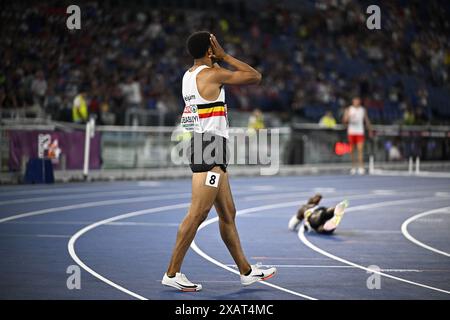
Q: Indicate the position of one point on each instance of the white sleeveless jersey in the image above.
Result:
(356, 120)
(200, 115)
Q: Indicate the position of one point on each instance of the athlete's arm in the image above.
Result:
(368, 124)
(314, 200)
(301, 213)
(345, 116)
(244, 74)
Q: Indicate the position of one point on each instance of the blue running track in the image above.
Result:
(122, 234)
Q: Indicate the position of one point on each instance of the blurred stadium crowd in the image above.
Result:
(314, 56)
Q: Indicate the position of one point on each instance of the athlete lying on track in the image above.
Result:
(323, 220)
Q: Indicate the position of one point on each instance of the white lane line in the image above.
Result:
(74, 238)
(94, 204)
(328, 192)
(430, 220)
(144, 224)
(126, 223)
(66, 188)
(53, 235)
(35, 235)
(262, 188)
(56, 189)
(71, 244)
(324, 190)
(421, 174)
(325, 266)
(288, 258)
(223, 266)
(149, 183)
(298, 266)
(302, 237)
(279, 195)
(442, 194)
(211, 281)
(86, 194)
(80, 196)
(408, 236)
(257, 209)
(100, 194)
(102, 203)
(300, 194)
(376, 231)
(384, 192)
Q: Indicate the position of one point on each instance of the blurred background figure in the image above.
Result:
(356, 119)
(131, 90)
(39, 88)
(394, 152)
(80, 108)
(106, 117)
(256, 120)
(409, 118)
(328, 121)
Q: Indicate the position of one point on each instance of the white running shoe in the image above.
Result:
(257, 274)
(293, 223)
(353, 171)
(361, 171)
(180, 282)
(339, 211)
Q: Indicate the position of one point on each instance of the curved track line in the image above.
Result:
(408, 236)
(94, 225)
(54, 190)
(123, 216)
(105, 203)
(302, 237)
(79, 196)
(224, 266)
(93, 204)
(74, 238)
(257, 209)
(91, 194)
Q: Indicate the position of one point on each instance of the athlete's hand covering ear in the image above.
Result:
(218, 52)
(243, 74)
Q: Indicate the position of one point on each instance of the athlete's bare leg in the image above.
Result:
(226, 211)
(360, 148)
(203, 198)
(352, 155)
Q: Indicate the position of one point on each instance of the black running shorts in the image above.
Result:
(319, 217)
(208, 151)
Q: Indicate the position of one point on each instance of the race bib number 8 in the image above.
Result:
(212, 179)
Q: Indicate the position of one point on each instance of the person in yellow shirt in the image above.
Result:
(328, 121)
(256, 120)
(80, 108)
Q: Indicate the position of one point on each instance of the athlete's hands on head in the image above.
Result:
(218, 52)
(243, 73)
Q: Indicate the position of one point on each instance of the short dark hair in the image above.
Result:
(198, 43)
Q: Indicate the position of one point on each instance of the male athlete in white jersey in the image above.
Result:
(355, 117)
(205, 115)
